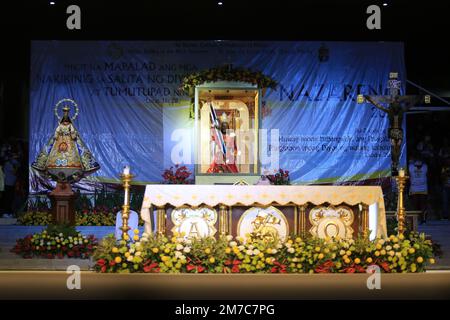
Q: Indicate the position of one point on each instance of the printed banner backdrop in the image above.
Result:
(130, 102)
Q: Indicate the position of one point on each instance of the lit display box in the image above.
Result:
(227, 120)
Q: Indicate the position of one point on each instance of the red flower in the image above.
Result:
(360, 269)
(190, 267)
(278, 267)
(324, 267)
(235, 269)
(349, 270)
(150, 267)
(103, 269)
(200, 269)
(101, 262)
(235, 265)
(385, 266)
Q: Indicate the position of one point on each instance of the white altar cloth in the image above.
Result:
(231, 195)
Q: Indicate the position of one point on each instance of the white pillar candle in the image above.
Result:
(126, 171)
(125, 201)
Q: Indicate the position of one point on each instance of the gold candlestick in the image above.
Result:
(401, 215)
(126, 178)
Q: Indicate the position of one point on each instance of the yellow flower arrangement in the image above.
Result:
(251, 254)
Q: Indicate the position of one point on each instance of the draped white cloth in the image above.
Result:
(212, 195)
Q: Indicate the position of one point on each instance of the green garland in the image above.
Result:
(226, 73)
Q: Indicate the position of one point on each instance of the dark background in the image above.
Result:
(422, 26)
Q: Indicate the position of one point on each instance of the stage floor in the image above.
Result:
(52, 285)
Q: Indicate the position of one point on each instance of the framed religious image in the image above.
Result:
(227, 118)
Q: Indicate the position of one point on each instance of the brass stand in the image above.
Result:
(302, 218)
(364, 222)
(126, 179)
(160, 221)
(223, 220)
(401, 216)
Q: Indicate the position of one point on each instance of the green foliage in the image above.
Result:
(34, 218)
(98, 209)
(105, 247)
(256, 255)
(65, 229)
(226, 73)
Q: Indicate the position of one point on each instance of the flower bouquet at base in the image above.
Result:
(56, 242)
(253, 254)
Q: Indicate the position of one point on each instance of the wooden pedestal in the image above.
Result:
(62, 200)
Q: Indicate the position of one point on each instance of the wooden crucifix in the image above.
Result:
(395, 106)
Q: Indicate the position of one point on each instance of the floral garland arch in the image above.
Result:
(225, 73)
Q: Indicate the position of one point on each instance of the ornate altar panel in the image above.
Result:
(315, 210)
(266, 222)
(330, 221)
(194, 222)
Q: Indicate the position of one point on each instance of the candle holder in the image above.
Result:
(126, 181)
(401, 214)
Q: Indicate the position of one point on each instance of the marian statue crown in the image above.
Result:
(66, 108)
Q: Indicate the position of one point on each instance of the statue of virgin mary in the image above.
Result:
(65, 157)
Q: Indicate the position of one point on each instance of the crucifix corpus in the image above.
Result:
(395, 106)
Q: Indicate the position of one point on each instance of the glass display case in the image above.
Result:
(227, 118)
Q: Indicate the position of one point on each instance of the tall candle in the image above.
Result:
(126, 171)
(401, 173)
(125, 201)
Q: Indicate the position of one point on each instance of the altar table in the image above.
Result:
(319, 210)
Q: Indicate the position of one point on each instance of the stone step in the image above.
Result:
(44, 264)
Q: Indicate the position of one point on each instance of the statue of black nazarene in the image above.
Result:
(65, 159)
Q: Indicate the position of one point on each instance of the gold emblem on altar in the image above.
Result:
(194, 222)
(266, 223)
(331, 222)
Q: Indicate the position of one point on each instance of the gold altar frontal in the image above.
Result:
(268, 211)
